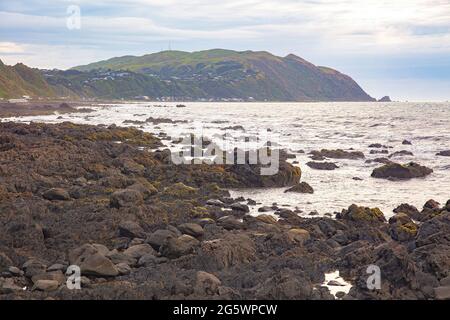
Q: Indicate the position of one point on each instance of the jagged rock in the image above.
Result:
(406, 142)
(56, 194)
(398, 171)
(411, 211)
(402, 228)
(322, 165)
(302, 187)
(191, 229)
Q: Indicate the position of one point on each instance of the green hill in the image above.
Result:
(19, 80)
(227, 74)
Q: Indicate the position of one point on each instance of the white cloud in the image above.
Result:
(11, 47)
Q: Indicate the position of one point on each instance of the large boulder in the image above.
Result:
(207, 283)
(139, 250)
(402, 228)
(338, 154)
(92, 262)
(176, 247)
(157, 238)
(401, 172)
(191, 229)
(131, 229)
(322, 165)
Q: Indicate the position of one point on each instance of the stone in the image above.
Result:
(302, 187)
(92, 262)
(322, 165)
(356, 213)
(265, 209)
(5, 262)
(401, 172)
(339, 154)
(57, 276)
(445, 153)
(15, 271)
(139, 250)
(442, 293)
(401, 153)
(215, 202)
(240, 207)
(56, 194)
(157, 238)
(131, 229)
(145, 188)
(265, 218)
(406, 142)
(123, 268)
(207, 283)
(56, 267)
(432, 204)
(230, 223)
(191, 229)
(176, 247)
(33, 267)
(298, 235)
(8, 286)
(46, 285)
(126, 198)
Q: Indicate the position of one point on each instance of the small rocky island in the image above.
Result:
(139, 227)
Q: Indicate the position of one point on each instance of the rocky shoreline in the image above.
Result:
(106, 199)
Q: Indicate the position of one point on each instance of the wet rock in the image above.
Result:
(139, 250)
(46, 285)
(410, 210)
(191, 229)
(302, 187)
(215, 202)
(56, 194)
(131, 229)
(432, 204)
(265, 218)
(92, 262)
(398, 171)
(322, 165)
(230, 223)
(406, 142)
(339, 154)
(445, 153)
(126, 198)
(240, 207)
(265, 209)
(206, 283)
(174, 248)
(356, 213)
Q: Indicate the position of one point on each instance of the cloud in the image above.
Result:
(11, 48)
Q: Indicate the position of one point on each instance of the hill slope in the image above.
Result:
(19, 80)
(219, 74)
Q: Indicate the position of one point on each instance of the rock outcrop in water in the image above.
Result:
(141, 227)
(402, 172)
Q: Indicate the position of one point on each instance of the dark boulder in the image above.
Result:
(401, 172)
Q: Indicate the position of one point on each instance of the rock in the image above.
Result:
(15, 271)
(33, 267)
(131, 229)
(191, 229)
(56, 194)
(180, 190)
(157, 238)
(265, 218)
(230, 223)
(265, 209)
(5, 262)
(411, 211)
(57, 276)
(145, 188)
(240, 207)
(215, 202)
(126, 198)
(431, 204)
(139, 250)
(442, 293)
(56, 267)
(357, 179)
(445, 153)
(334, 283)
(385, 99)
(338, 154)
(46, 285)
(402, 228)
(340, 294)
(8, 286)
(398, 171)
(322, 165)
(120, 257)
(298, 235)
(302, 187)
(92, 262)
(123, 268)
(406, 142)
(356, 213)
(207, 283)
(176, 247)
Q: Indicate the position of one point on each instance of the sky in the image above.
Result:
(398, 48)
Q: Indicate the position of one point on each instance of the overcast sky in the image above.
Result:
(399, 48)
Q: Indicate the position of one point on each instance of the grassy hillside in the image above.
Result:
(222, 73)
(19, 80)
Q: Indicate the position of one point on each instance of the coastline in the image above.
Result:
(72, 194)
